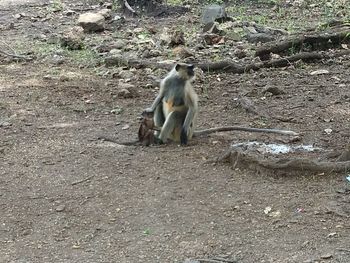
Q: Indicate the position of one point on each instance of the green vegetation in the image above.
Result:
(55, 6)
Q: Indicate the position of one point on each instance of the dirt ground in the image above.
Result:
(67, 197)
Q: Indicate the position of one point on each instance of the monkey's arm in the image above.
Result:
(247, 129)
(157, 100)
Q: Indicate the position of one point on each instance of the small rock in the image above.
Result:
(328, 131)
(118, 44)
(213, 13)
(125, 127)
(5, 124)
(124, 93)
(259, 37)
(319, 72)
(326, 256)
(126, 74)
(191, 261)
(177, 38)
(91, 22)
(240, 53)
(126, 90)
(116, 59)
(274, 90)
(182, 52)
(26, 232)
(69, 12)
(164, 37)
(60, 208)
(212, 27)
(73, 38)
(106, 13)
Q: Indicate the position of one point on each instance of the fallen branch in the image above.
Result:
(227, 66)
(16, 56)
(322, 41)
(126, 4)
(83, 180)
(241, 155)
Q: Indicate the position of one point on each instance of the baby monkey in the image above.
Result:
(176, 106)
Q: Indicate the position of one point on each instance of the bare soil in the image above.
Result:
(67, 197)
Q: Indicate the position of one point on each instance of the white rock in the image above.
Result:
(91, 22)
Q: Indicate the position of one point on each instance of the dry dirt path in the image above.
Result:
(65, 197)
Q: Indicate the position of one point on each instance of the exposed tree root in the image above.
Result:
(228, 66)
(240, 156)
(314, 41)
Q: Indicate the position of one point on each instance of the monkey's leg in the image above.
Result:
(173, 121)
(187, 127)
(159, 118)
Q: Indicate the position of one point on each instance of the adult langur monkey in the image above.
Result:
(175, 111)
(176, 106)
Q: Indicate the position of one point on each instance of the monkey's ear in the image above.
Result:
(177, 67)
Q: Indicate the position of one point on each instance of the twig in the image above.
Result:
(15, 56)
(215, 260)
(129, 7)
(83, 180)
(344, 250)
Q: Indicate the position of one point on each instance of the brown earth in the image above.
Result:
(67, 197)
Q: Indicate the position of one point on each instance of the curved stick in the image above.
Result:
(247, 129)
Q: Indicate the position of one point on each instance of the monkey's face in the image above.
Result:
(185, 70)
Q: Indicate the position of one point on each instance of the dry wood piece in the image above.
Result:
(321, 41)
(240, 155)
(226, 66)
(249, 106)
(20, 57)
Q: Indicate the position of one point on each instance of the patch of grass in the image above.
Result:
(55, 6)
(175, 2)
(85, 57)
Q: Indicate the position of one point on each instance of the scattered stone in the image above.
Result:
(191, 261)
(319, 72)
(259, 37)
(274, 90)
(236, 34)
(213, 13)
(212, 39)
(91, 22)
(326, 256)
(106, 13)
(126, 74)
(239, 53)
(126, 90)
(108, 47)
(213, 28)
(177, 38)
(73, 38)
(124, 93)
(5, 124)
(328, 131)
(117, 59)
(151, 53)
(26, 232)
(164, 37)
(182, 52)
(118, 44)
(69, 12)
(118, 18)
(60, 208)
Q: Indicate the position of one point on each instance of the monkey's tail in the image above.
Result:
(129, 143)
(247, 129)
